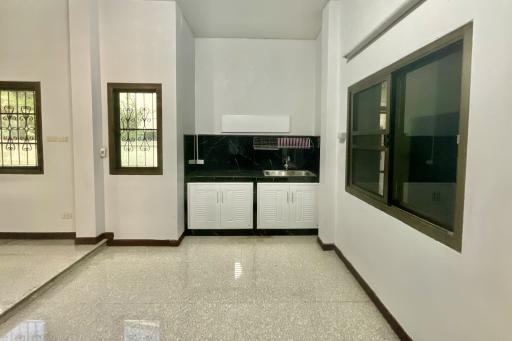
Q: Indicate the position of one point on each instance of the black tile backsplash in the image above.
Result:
(236, 153)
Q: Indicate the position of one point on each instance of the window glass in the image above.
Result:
(367, 108)
(20, 148)
(135, 128)
(369, 114)
(138, 129)
(425, 136)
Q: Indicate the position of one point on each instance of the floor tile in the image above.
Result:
(209, 288)
(275, 321)
(350, 321)
(26, 265)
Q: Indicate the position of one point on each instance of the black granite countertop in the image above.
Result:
(242, 176)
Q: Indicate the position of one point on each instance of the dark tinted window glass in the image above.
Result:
(427, 96)
(368, 104)
(369, 114)
(368, 170)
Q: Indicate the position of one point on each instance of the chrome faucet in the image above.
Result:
(286, 165)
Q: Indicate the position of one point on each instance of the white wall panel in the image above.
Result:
(35, 47)
(138, 45)
(437, 293)
(256, 77)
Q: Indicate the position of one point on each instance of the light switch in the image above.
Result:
(103, 152)
(342, 137)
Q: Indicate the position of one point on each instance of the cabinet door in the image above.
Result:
(273, 210)
(303, 206)
(203, 206)
(236, 205)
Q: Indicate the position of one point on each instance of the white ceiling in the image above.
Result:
(271, 19)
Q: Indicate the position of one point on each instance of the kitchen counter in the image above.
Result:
(242, 176)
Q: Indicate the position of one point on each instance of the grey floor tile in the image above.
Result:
(209, 288)
(26, 265)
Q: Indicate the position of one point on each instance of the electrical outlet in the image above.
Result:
(67, 216)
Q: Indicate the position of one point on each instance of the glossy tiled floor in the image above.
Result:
(25, 265)
(216, 288)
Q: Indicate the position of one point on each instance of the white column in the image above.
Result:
(329, 114)
(86, 114)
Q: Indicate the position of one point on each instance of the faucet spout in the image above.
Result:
(286, 165)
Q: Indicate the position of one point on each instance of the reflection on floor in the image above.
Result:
(217, 288)
(26, 265)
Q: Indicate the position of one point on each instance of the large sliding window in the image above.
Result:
(408, 134)
(135, 128)
(426, 129)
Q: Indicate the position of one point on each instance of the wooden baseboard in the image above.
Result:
(37, 235)
(145, 242)
(391, 320)
(94, 240)
(325, 246)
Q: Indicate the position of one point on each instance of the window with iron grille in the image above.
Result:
(135, 128)
(21, 147)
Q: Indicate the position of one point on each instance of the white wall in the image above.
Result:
(256, 77)
(329, 108)
(97, 119)
(185, 100)
(185, 73)
(35, 47)
(138, 45)
(361, 19)
(318, 83)
(437, 293)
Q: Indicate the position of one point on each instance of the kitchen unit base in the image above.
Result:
(253, 232)
(287, 205)
(226, 205)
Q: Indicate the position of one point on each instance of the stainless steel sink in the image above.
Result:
(283, 173)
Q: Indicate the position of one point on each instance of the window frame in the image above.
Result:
(114, 133)
(452, 239)
(355, 89)
(36, 87)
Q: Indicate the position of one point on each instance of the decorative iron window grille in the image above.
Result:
(21, 147)
(135, 128)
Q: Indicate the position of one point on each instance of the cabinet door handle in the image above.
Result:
(287, 197)
(217, 197)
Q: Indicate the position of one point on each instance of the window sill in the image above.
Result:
(21, 171)
(136, 171)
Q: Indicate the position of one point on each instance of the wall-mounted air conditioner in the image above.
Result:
(255, 124)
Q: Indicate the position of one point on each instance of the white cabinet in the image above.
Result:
(303, 206)
(273, 205)
(287, 206)
(203, 205)
(220, 205)
(236, 207)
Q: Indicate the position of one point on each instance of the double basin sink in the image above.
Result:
(288, 173)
